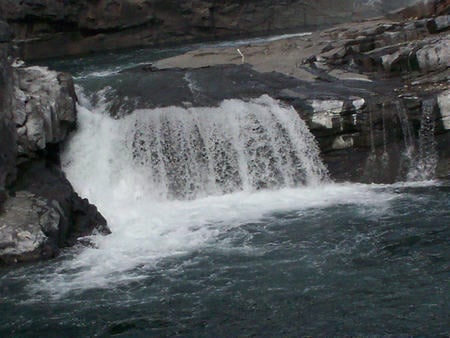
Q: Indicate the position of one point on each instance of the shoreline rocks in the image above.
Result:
(71, 27)
(363, 89)
(39, 211)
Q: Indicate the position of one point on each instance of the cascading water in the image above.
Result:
(419, 160)
(179, 153)
(171, 180)
(425, 162)
(224, 223)
(407, 134)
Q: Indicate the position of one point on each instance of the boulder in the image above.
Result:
(45, 109)
(45, 217)
(435, 55)
(26, 227)
(78, 217)
(439, 24)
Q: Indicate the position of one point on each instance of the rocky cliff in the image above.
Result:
(39, 211)
(49, 28)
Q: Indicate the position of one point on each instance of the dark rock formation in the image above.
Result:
(7, 128)
(39, 210)
(68, 27)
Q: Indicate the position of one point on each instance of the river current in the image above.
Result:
(222, 227)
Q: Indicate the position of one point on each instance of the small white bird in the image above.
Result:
(240, 53)
(17, 63)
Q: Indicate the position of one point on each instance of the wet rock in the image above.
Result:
(7, 128)
(78, 217)
(49, 215)
(43, 214)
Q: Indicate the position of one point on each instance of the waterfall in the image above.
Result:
(424, 164)
(187, 153)
(407, 156)
(172, 180)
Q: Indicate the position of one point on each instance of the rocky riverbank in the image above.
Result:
(39, 210)
(375, 94)
(69, 27)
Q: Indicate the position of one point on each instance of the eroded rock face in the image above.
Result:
(44, 108)
(69, 27)
(39, 210)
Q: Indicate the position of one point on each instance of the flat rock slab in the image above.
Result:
(146, 87)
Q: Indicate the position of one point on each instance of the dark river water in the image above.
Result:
(377, 268)
(322, 260)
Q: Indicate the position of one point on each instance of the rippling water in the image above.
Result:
(377, 264)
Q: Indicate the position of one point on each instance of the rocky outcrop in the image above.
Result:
(39, 210)
(69, 27)
(373, 93)
(44, 109)
(44, 214)
(25, 225)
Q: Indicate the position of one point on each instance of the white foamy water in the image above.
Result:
(171, 181)
(178, 153)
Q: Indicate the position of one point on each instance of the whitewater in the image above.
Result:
(258, 158)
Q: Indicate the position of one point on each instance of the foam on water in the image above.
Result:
(145, 231)
(172, 190)
(178, 153)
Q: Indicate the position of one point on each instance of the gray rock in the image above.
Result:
(23, 227)
(439, 24)
(56, 28)
(45, 109)
(435, 55)
(39, 210)
(444, 107)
